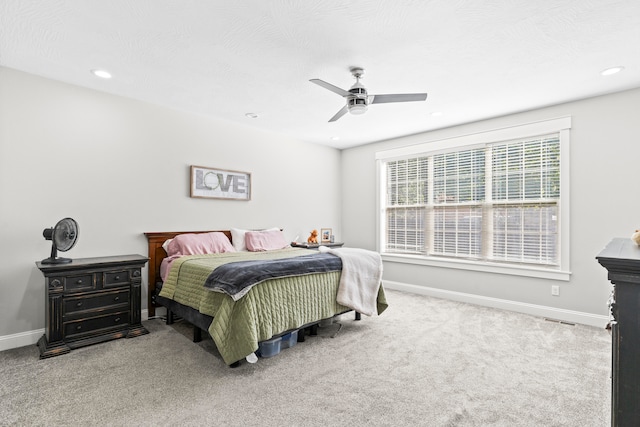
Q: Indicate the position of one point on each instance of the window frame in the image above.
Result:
(560, 126)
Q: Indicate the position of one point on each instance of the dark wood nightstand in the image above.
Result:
(91, 300)
(316, 245)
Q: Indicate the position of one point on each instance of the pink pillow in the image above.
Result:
(200, 243)
(265, 240)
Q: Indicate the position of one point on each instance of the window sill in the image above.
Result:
(487, 267)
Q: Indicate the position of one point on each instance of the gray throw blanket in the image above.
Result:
(237, 278)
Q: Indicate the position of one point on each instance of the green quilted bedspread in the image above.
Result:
(268, 309)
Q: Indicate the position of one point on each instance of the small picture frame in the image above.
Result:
(212, 183)
(325, 235)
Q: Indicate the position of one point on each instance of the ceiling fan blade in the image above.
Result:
(398, 97)
(331, 87)
(339, 114)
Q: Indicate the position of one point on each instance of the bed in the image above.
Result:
(269, 308)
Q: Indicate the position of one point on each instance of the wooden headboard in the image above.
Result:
(156, 254)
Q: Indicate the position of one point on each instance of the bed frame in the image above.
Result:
(199, 321)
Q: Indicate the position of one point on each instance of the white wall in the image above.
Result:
(605, 150)
(120, 168)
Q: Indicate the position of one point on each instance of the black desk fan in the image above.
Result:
(63, 237)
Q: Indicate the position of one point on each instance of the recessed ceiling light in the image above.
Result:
(436, 114)
(334, 138)
(251, 115)
(101, 73)
(612, 70)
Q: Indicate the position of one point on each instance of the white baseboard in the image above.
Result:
(520, 307)
(22, 339)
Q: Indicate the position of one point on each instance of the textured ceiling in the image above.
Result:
(476, 59)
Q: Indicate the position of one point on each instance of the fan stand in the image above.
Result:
(53, 259)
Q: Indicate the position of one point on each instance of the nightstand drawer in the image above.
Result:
(116, 278)
(102, 301)
(79, 283)
(83, 326)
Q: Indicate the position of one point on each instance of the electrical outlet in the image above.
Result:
(555, 290)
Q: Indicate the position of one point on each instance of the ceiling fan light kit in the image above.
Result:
(357, 99)
(357, 106)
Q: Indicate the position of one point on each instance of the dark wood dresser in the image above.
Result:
(91, 300)
(621, 257)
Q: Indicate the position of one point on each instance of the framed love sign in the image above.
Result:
(211, 183)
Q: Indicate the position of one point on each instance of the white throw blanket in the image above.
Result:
(360, 279)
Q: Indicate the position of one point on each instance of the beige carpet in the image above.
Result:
(424, 362)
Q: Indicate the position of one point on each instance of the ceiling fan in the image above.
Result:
(357, 98)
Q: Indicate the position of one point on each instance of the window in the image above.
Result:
(488, 199)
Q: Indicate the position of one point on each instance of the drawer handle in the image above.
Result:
(117, 277)
(78, 327)
(116, 320)
(116, 299)
(55, 282)
(79, 304)
(79, 282)
(136, 273)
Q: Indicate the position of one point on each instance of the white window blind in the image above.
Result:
(495, 202)
(407, 193)
(526, 175)
(458, 185)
